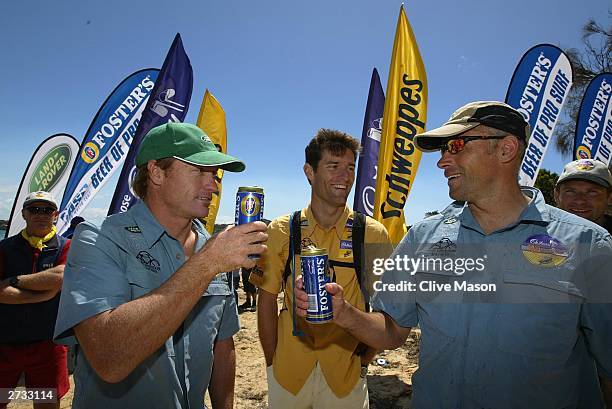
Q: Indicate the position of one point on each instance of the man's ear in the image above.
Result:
(509, 149)
(556, 195)
(156, 174)
(309, 172)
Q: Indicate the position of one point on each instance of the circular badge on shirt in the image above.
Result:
(544, 250)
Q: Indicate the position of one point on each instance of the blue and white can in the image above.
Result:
(315, 271)
(249, 204)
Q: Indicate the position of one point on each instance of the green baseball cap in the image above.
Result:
(187, 143)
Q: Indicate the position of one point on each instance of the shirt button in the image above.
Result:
(178, 256)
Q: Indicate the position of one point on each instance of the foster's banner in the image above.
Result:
(168, 103)
(594, 124)
(48, 170)
(538, 90)
(106, 143)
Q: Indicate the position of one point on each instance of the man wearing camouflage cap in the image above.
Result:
(585, 189)
(511, 295)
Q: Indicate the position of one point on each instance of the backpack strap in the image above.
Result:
(295, 243)
(358, 240)
(295, 247)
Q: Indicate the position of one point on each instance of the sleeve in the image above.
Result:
(230, 323)
(269, 274)
(596, 314)
(94, 280)
(390, 294)
(377, 248)
(64, 254)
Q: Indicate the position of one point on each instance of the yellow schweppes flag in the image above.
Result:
(211, 120)
(404, 117)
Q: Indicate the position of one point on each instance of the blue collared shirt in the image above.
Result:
(529, 341)
(129, 256)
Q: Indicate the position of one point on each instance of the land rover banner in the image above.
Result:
(48, 170)
(106, 143)
(538, 89)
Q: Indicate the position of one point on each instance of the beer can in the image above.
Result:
(315, 271)
(249, 204)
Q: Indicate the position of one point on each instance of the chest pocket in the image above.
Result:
(540, 315)
(142, 277)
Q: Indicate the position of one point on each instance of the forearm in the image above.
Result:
(117, 341)
(42, 281)
(373, 329)
(267, 324)
(12, 295)
(606, 390)
(222, 380)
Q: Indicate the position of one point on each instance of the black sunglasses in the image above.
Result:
(457, 144)
(40, 210)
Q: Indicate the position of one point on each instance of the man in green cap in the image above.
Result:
(146, 294)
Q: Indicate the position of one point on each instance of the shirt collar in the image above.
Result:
(152, 231)
(339, 224)
(535, 212)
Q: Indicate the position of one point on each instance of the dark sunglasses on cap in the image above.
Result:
(40, 210)
(457, 144)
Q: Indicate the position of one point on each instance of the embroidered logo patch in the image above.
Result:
(450, 220)
(585, 164)
(133, 229)
(544, 251)
(346, 244)
(148, 261)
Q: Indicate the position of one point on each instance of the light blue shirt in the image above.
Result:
(129, 256)
(530, 341)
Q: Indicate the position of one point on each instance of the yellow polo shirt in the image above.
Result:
(330, 345)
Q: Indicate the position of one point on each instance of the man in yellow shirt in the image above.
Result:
(321, 368)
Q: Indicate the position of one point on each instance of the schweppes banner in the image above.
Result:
(538, 90)
(405, 116)
(211, 120)
(594, 125)
(48, 170)
(106, 143)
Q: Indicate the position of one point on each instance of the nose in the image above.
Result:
(210, 182)
(445, 161)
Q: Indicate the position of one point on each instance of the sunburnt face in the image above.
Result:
(469, 171)
(583, 198)
(188, 189)
(333, 179)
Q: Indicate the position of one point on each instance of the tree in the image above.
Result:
(594, 60)
(546, 182)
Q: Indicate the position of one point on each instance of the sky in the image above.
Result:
(280, 69)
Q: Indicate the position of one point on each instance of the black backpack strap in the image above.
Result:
(295, 242)
(358, 240)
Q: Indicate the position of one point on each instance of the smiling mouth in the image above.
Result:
(343, 187)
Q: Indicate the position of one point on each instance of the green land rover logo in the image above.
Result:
(50, 169)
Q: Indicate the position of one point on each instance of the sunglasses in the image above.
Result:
(457, 144)
(40, 210)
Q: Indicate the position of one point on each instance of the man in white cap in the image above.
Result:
(512, 296)
(31, 272)
(146, 294)
(585, 189)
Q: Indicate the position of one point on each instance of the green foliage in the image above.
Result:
(546, 182)
(595, 59)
